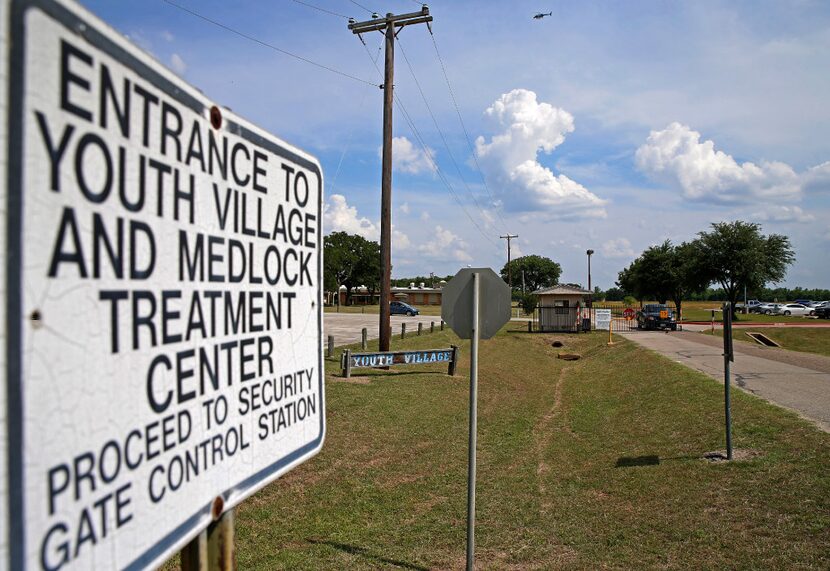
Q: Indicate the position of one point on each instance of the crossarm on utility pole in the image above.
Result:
(509, 237)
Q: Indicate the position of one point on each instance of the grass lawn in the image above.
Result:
(807, 339)
(582, 465)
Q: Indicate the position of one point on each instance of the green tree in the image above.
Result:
(539, 272)
(665, 272)
(528, 302)
(350, 260)
(367, 271)
(737, 255)
(614, 294)
(633, 281)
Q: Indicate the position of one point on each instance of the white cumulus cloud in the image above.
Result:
(338, 216)
(618, 248)
(400, 241)
(410, 159)
(178, 64)
(817, 179)
(782, 214)
(677, 155)
(510, 159)
(445, 246)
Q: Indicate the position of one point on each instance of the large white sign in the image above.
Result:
(163, 278)
(602, 319)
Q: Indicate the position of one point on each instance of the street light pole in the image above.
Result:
(590, 291)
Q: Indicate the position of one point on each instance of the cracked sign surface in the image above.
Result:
(163, 287)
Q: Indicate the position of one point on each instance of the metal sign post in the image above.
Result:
(471, 461)
(728, 356)
(461, 308)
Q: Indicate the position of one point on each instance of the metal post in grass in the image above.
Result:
(330, 349)
(728, 356)
(403, 330)
(461, 308)
(364, 338)
(471, 472)
(610, 328)
(432, 327)
(420, 327)
(213, 548)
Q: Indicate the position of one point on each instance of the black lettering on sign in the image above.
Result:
(70, 53)
(55, 153)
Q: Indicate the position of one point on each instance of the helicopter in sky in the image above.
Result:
(541, 15)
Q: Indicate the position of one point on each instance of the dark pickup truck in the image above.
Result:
(656, 316)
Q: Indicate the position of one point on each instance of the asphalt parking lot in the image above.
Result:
(346, 327)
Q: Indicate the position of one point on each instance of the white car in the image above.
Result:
(794, 309)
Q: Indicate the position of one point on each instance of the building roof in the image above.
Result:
(560, 289)
(416, 289)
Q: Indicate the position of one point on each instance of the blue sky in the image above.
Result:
(609, 125)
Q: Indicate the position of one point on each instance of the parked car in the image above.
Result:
(817, 304)
(766, 308)
(656, 316)
(401, 308)
(823, 312)
(751, 305)
(804, 301)
(794, 309)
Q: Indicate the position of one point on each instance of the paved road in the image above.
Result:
(800, 382)
(346, 327)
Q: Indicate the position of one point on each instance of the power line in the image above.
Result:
(438, 171)
(463, 126)
(440, 132)
(361, 6)
(266, 44)
(333, 182)
(428, 156)
(312, 6)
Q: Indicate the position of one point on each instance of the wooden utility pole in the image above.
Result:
(509, 237)
(387, 25)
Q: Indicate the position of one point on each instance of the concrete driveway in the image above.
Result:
(797, 381)
(346, 327)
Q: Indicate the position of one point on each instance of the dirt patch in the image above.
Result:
(567, 356)
(542, 433)
(557, 344)
(738, 455)
(352, 380)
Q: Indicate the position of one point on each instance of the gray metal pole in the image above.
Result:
(727, 358)
(471, 472)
